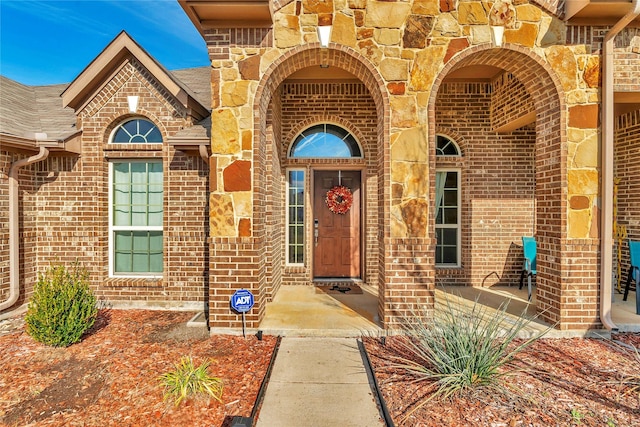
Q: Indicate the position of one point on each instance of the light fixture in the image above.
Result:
(133, 103)
(324, 35)
(498, 33)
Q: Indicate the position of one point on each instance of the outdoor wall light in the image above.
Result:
(324, 35)
(498, 33)
(133, 103)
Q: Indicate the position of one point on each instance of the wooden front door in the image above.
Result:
(336, 237)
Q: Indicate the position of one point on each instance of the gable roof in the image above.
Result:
(121, 49)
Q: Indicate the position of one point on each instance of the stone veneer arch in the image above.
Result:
(544, 87)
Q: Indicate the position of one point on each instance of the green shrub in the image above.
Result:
(62, 307)
(462, 348)
(186, 380)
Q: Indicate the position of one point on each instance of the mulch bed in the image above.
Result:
(565, 382)
(111, 376)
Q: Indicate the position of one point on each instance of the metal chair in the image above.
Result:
(529, 265)
(634, 271)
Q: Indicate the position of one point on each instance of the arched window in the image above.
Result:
(446, 146)
(136, 131)
(447, 206)
(325, 141)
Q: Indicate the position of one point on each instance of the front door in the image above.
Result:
(336, 235)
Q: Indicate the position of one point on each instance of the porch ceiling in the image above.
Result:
(599, 12)
(207, 14)
(474, 73)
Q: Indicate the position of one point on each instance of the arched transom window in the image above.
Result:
(324, 141)
(137, 131)
(446, 146)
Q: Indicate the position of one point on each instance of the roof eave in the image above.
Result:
(208, 14)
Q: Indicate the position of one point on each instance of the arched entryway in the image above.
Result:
(305, 88)
(504, 107)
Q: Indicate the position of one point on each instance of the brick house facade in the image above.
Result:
(399, 78)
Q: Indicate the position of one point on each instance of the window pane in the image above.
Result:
(155, 262)
(140, 263)
(449, 236)
(122, 262)
(452, 180)
(449, 255)
(450, 198)
(121, 172)
(124, 241)
(450, 215)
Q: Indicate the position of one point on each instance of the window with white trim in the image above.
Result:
(325, 140)
(135, 218)
(447, 207)
(136, 131)
(295, 216)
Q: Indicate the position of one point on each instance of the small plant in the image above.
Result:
(186, 380)
(62, 307)
(576, 415)
(462, 348)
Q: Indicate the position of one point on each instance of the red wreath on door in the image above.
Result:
(339, 199)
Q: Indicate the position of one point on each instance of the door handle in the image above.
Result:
(315, 231)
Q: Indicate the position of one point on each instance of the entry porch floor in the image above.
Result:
(306, 311)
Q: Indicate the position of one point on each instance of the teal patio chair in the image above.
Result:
(529, 265)
(634, 271)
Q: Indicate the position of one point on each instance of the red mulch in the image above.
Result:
(111, 377)
(567, 382)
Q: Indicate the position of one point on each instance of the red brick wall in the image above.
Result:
(627, 168)
(510, 100)
(497, 184)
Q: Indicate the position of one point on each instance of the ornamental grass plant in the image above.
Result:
(462, 348)
(187, 380)
(62, 307)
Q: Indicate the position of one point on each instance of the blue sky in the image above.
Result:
(51, 41)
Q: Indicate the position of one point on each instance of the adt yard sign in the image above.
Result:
(242, 301)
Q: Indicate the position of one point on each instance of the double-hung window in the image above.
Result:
(447, 207)
(136, 199)
(136, 211)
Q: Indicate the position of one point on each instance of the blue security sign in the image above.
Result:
(242, 301)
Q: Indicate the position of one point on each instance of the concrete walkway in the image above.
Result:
(319, 382)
